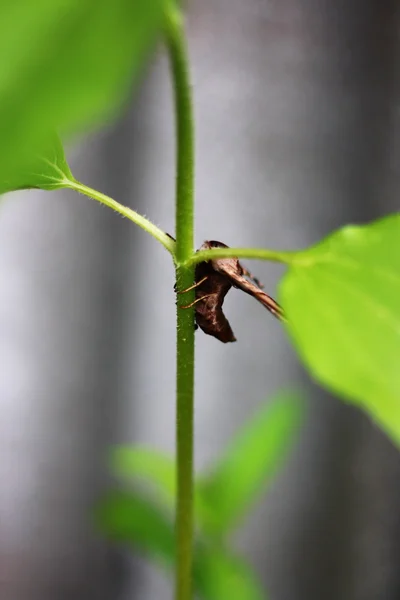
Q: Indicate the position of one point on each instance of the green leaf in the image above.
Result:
(157, 472)
(154, 468)
(131, 517)
(68, 66)
(219, 575)
(249, 463)
(342, 302)
(137, 520)
(47, 170)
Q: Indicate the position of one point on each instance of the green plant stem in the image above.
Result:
(176, 44)
(185, 136)
(184, 444)
(127, 212)
(287, 257)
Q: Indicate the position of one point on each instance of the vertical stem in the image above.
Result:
(176, 44)
(185, 136)
(184, 443)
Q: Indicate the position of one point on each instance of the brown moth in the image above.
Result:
(214, 279)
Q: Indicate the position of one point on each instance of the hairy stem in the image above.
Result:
(177, 51)
(283, 256)
(127, 212)
(185, 136)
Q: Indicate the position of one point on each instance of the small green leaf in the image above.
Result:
(68, 65)
(154, 468)
(47, 170)
(219, 575)
(136, 520)
(250, 461)
(133, 518)
(157, 472)
(342, 302)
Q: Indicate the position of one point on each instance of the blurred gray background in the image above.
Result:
(297, 118)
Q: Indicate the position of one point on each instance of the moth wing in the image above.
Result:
(216, 324)
(234, 271)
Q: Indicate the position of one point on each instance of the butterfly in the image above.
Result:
(213, 280)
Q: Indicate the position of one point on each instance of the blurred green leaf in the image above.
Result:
(67, 65)
(250, 461)
(219, 575)
(158, 472)
(151, 466)
(137, 520)
(131, 517)
(48, 170)
(342, 301)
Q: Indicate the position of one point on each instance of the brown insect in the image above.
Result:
(214, 279)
